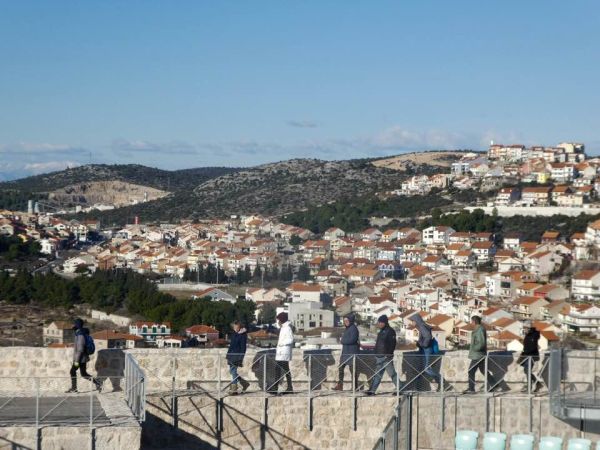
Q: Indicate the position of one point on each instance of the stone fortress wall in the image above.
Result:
(198, 417)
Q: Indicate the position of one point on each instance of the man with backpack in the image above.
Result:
(83, 347)
(427, 347)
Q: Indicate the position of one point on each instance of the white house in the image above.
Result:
(437, 235)
(308, 315)
(580, 318)
(302, 292)
(585, 285)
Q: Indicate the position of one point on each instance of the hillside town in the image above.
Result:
(442, 274)
(521, 176)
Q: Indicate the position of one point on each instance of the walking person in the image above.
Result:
(425, 346)
(235, 356)
(82, 348)
(350, 347)
(283, 353)
(477, 355)
(384, 354)
(531, 352)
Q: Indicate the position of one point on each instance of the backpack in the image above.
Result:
(435, 347)
(90, 346)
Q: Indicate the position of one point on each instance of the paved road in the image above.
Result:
(68, 410)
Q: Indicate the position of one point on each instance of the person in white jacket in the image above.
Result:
(283, 353)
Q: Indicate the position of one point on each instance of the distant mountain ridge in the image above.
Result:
(269, 189)
(14, 194)
(167, 180)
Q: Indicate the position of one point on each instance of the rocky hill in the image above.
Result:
(271, 189)
(69, 185)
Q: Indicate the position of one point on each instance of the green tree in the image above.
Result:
(304, 272)
(295, 240)
(267, 314)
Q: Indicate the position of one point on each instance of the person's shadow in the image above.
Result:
(316, 363)
(264, 369)
(498, 365)
(413, 366)
(110, 364)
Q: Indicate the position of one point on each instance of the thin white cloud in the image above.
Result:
(48, 166)
(124, 146)
(41, 148)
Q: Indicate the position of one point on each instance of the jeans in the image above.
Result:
(430, 358)
(234, 375)
(347, 361)
(383, 363)
(475, 365)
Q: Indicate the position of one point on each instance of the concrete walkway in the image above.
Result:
(67, 410)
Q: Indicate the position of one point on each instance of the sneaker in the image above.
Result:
(98, 386)
(233, 389)
(524, 390)
(244, 384)
(71, 391)
(468, 391)
(338, 387)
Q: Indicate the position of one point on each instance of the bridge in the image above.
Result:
(181, 398)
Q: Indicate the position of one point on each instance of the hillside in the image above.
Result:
(270, 189)
(14, 194)
(413, 161)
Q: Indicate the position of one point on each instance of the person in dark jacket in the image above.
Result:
(80, 356)
(530, 354)
(235, 356)
(384, 354)
(425, 346)
(350, 347)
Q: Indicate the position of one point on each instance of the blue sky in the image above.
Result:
(187, 84)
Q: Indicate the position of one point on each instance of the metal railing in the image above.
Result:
(573, 383)
(397, 432)
(135, 388)
(323, 372)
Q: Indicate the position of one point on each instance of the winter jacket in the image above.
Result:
(530, 346)
(478, 348)
(425, 336)
(285, 343)
(237, 348)
(79, 352)
(386, 341)
(350, 339)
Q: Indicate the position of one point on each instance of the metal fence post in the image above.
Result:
(37, 414)
(92, 387)
(309, 400)
(529, 369)
(219, 374)
(354, 377)
(485, 376)
(173, 362)
(219, 406)
(265, 384)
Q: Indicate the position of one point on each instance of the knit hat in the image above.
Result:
(383, 319)
(77, 324)
(282, 317)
